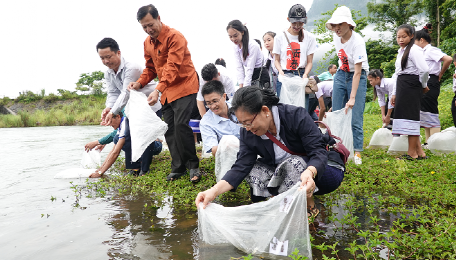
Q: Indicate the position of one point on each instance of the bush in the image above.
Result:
(27, 96)
(5, 101)
(51, 98)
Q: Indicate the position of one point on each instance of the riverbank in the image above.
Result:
(384, 209)
(78, 110)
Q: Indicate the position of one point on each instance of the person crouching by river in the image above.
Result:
(264, 119)
(122, 141)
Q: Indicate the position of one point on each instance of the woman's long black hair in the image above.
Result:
(374, 74)
(251, 99)
(237, 25)
(411, 32)
(424, 33)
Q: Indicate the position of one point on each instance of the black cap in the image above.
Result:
(297, 13)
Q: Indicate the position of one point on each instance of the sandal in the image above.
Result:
(175, 175)
(423, 157)
(407, 157)
(195, 173)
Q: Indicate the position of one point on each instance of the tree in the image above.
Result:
(326, 36)
(92, 82)
(388, 15)
(441, 14)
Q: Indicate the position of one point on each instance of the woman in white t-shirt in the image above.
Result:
(350, 81)
(382, 87)
(248, 56)
(429, 103)
(268, 42)
(299, 59)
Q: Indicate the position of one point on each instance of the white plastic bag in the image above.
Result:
(91, 159)
(226, 155)
(399, 145)
(293, 90)
(340, 124)
(273, 227)
(382, 138)
(442, 142)
(145, 125)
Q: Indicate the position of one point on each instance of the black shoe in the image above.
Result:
(133, 173)
(143, 173)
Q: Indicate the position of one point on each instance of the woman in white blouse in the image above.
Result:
(382, 87)
(248, 56)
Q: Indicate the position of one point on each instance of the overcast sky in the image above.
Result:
(48, 44)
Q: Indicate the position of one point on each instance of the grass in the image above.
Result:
(418, 198)
(84, 110)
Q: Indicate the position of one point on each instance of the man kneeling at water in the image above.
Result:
(218, 131)
(122, 141)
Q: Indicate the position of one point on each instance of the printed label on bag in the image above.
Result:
(279, 247)
(286, 203)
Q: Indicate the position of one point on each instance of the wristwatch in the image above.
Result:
(158, 91)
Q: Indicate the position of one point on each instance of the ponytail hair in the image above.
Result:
(376, 73)
(424, 33)
(237, 25)
(410, 32)
(300, 35)
(252, 99)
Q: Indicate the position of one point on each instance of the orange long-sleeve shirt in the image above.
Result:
(169, 58)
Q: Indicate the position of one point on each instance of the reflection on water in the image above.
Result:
(32, 226)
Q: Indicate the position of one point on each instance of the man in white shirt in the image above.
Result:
(214, 72)
(119, 74)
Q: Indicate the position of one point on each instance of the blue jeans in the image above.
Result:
(342, 87)
(279, 84)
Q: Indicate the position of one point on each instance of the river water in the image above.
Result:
(35, 226)
(38, 219)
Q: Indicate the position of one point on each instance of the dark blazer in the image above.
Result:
(299, 133)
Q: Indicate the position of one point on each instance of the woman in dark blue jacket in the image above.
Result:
(277, 169)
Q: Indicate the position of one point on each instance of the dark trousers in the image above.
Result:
(146, 158)
(313, 103)
(179, 136)
(453, 109)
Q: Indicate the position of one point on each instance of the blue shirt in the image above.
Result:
(213, 127)
(325, 76)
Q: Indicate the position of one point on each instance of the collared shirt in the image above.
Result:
(280, 154)
(224, 78)
(117, 82)
(253, 60)
(213, 127)
(122, 128)
(324, 88)
(169, 58)
(325, 76)
(433, 57)
(415, 65)
(386, 87)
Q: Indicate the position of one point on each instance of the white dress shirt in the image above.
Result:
(416, 65)
(245, 68)
(386, 87)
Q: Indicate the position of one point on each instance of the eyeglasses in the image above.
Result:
(209, 104)
(248, 125)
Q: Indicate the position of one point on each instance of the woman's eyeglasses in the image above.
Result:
(247, 125)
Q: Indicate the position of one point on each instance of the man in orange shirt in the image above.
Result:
(168, 58)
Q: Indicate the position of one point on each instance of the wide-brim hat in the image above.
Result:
(342, 14)
(297, 13)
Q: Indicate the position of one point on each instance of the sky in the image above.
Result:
(49, 44)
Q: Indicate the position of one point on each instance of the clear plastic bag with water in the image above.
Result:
(442, 142)
(340, 124)
(399, 145)
(382, 138)
(91, 159)
(145, 125)
(293, 90)
(271, 229)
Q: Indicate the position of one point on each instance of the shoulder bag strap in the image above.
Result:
(292, 50)
(281, 145)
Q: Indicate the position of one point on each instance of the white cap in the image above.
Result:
(342, 14)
